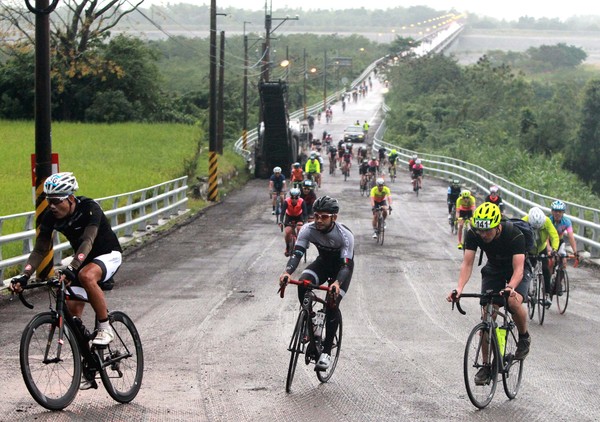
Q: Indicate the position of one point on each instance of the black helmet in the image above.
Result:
(326, 204)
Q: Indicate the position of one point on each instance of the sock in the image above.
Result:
(103, 325)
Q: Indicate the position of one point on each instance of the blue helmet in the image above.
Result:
(558, 206)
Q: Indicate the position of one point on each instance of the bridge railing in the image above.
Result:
(516, 198)
(129, 213)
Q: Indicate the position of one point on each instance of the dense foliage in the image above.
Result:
(492, 115)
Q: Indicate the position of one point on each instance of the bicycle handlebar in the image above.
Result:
(51, 281)
(488, 294)
(304, 283)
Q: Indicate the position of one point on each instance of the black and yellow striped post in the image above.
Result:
(46, 268)
(213, 191)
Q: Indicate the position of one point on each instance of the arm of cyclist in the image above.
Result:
(518, 264)
(283, 211)
(43, 244)
(552, 234)
(466, 269)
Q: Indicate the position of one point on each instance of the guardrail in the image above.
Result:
(516, 198)
(138, 211)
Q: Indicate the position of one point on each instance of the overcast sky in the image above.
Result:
(501, 9)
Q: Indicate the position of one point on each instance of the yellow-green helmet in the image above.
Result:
(486, 216)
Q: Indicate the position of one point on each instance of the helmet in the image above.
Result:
(308, 184)
(465, 193)
(60, 184)
(326, 204)
(558, 206)
(380, 182)
(393, 151)
(349, 145)
(537, 218)
(365, 161)
(493, 189)
(455, 182)
(418, 161)
(313, 155)
(373, 158)
(414, 157)
(294, 192)
(486, 216)
(296, 164)
(277, 170)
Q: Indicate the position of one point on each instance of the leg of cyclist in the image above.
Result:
(460, 223)
(374, 221)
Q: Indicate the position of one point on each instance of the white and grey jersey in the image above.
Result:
(335, 247)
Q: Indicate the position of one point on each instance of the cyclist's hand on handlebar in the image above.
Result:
(69, 273)
(510, 290)
(454, 295)
(17, 283)
(283, 279)
(334, 288)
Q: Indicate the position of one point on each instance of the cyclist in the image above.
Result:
(340, 152)
(311, 121)
(381, 197)
(416, 174)
(297, 175)
(363, 171)
(494, 198)
(465, 205)
(453, 194)
(381, 153)
(362, 153)
(313, 168)
(563, 225)
(293, 211)
(335, 243)
(97, 251)
(346, 161)
(365, 128)
(411, 162)
(332, 152)
(276, 186)
(504, 247)
(309, 196)
(392, 158)
(373, 166)
(546, 242)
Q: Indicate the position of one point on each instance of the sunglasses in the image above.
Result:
(56, 201)
(322, 216)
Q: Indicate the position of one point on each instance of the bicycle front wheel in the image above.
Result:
(512, 372)
(51, 370)
(380, 230)
(324, 376)
(532, 298)
(541, 303)
(122, 360)
(562, 290)
(480, 367)
(296, 347)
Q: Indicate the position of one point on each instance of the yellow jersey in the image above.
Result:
(380, 195)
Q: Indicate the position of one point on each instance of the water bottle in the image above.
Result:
(318, 322)
(501, 336)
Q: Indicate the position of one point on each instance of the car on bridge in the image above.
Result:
(354, 134)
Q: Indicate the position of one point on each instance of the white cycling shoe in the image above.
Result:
(323, 363)
(104, 337)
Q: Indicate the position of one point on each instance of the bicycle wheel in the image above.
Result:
(532, 298)
(512, 372)
(277, 209)
(296, 347)
(541, 305)
(562, 290)
(380, 229)
(324, 376)
(122, 360)
(52, 372)
(480, 392)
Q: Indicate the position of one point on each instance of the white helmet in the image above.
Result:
(294, 192)
(380, 181)
(277, 170)
(60, 184)
(537, 218)
(493, 189)
(414, 157)
(418, 161)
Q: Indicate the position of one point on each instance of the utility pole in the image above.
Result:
(213, 193)
(325, 81)
(220, 111)
(304, 86)
(267, 44)
(245, 107)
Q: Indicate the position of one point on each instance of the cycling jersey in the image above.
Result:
(392, 158)
(496, 199)
(363, 169)
(380, 195)
(75, 228)
(312, 166)
(465, 204)
(563, 226)
(546, 232)
(453, 193)
(373, 164)
(417, 170)
(277, 182)
(297, 175)
(347, 157)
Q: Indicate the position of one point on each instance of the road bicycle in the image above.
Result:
(537, 290)
(416, 185)
(346, 170)
(560, 282)
(278, 205)
(290, 247)
(392, 171)
(56, 350)
(452, 221)
(332, 165)
(380, 228)
(490, 350)
(310, 330)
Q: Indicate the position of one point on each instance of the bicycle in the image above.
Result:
(452, 221)
(278, 205)
(309, 331)
(392, 171)
(294, 226)
(332, 165)
(380, 224)
(363, 186)
(346, 170)
(416, 185)
(55, 351)
(490, 351)
(560, 282)
(537, 291)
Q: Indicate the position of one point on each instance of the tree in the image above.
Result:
(583, 158)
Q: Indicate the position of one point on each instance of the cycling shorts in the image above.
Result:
(465, 214)
(109, 264)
